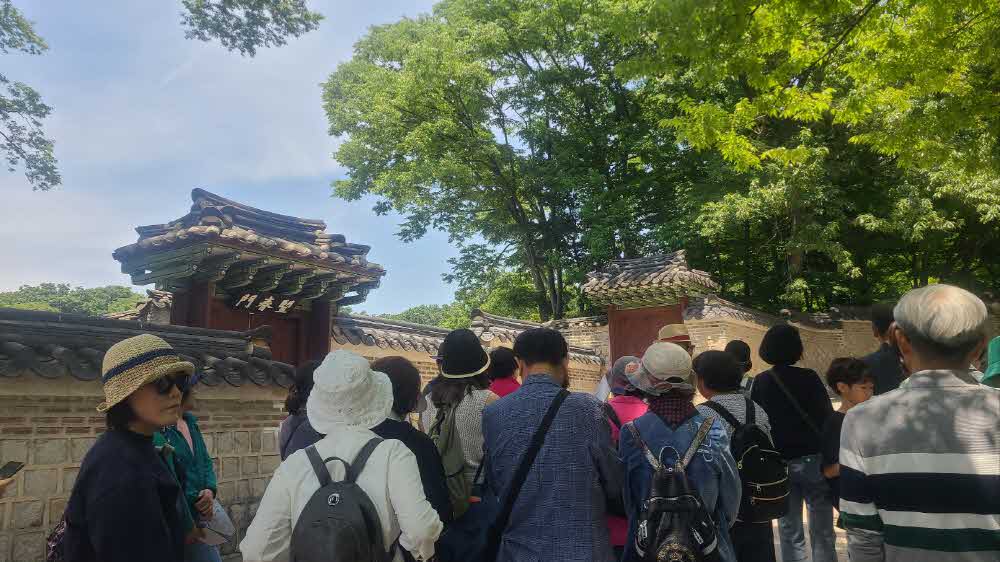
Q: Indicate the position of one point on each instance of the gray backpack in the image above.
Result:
(340, 521)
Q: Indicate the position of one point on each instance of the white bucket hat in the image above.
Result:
(664, 367)
(348, 393)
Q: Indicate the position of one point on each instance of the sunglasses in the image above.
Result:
(164, 384)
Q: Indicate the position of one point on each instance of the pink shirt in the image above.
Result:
(504, 386)
(628, 408)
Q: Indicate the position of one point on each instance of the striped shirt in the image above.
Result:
(920, 472)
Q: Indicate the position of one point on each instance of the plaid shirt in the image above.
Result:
(559, 514)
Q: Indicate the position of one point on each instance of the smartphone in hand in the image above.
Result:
(10, 469)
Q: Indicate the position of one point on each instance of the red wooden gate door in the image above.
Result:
(632, 331)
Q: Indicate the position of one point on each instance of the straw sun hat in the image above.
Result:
(131, 363)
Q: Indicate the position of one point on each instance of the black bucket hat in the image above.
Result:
(462, 356)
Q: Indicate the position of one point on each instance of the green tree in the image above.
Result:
(504, 121)
(247, 25)
(21, 108)
(61, 297)
(859, 134)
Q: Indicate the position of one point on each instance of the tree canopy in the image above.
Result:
(805, 154)
(61, 297)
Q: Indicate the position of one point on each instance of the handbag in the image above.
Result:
(219, 528)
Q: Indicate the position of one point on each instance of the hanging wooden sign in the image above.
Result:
(262, 302)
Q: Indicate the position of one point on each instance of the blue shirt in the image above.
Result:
(560, 512)
(712, 472)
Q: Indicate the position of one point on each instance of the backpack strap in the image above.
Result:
(699, 438)
(726, 414)
(354, 469)
(798, 407)
(319, 467)
(751, 411)
(612, 415)
(650, 457)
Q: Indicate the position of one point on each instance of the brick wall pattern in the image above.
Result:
(52, 435)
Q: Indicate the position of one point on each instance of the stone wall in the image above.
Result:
(51, 424)
(583, 376)
(821, 346)
(588, 336)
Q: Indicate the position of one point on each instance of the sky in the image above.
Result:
(141, 116)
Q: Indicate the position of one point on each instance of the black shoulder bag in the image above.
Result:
(500, 524)
(795, 403)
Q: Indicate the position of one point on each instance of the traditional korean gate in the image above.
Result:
(632, 331)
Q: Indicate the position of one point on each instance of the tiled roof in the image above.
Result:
(155, 299)
(490, 327)
(393, 334)
(585, 321)
(52, 345)
(650, 281)
(389, 334)
(712, 306)
(239, 246)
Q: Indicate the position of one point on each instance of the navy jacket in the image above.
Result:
(884, 365)
(123, 507)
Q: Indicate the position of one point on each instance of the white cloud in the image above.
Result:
(142, 115)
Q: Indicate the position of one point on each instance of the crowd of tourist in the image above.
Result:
(686, 457)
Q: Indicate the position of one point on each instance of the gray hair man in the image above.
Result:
(920, 466)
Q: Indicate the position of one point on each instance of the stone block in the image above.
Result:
(225, 444)
(242, 439)
(209, 442)
(41, 483)
(255, 441)
(227, 491)
(243, 489)
(268, 463)
(56, 508)
(251, 466)
(27, 515)
(29, 547)
(5, 548)
(237, 513)
(69, 478)
(49, 451)
(257, 487)
(268, 441)
(216, 466)
(231, 467)
(14, 450)
(79, 447)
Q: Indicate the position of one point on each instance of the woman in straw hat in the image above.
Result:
(669, 428)
(125, 505)
(463, 384)
(348, 399)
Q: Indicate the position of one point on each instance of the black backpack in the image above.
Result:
(673, 522)
(340, 521)
(762, 470)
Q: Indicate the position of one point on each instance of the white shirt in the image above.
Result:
(390, 478)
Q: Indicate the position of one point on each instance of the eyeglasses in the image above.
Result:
(164, 384)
